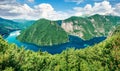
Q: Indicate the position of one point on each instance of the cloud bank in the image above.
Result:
(102, 8)
(11, 9)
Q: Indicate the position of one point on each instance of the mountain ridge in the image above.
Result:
(85, 28)
(92, 26)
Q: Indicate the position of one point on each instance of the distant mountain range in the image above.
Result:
(23, 23)
(46, 32)
(7, 26)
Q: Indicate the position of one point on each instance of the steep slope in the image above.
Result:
(101, 57)
(89, 27)
(6, 26)
(44, 32)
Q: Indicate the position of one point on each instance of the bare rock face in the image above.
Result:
(68, 27)
(89, 27)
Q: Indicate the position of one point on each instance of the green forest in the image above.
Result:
(104, 56)
(44, 33)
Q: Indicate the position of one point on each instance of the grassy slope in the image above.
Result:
(44, 32)
(101, 57)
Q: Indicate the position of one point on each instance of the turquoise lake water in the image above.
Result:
(74, 42)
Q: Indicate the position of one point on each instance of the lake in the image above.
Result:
(74, 42)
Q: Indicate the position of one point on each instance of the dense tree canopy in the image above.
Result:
(101, 57)
(44, 33)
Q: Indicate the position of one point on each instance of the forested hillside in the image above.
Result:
(101, 57)
(44, 32)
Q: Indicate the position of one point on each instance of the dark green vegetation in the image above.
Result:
(101, 57)
(44, 32)
(93, 26)
(7, 26)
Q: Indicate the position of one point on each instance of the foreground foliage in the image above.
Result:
(101, 57)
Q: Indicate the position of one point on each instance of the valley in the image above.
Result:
(46, 32)
(59, 35)
(7, 26)
(102, 56)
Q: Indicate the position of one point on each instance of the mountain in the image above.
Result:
(104, 56)
(44, 32)
(89, 27)
(7, 26)
(23, 23)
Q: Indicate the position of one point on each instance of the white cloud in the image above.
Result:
(102, 8)
(45, 10)
(15, 10)
(7, 1)
(117, 10)
(79, 11)
(31, 0)
(24, 11)
(76, 1)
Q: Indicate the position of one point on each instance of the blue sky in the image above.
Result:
(57, 9)
(64, 5)
(57, 4)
